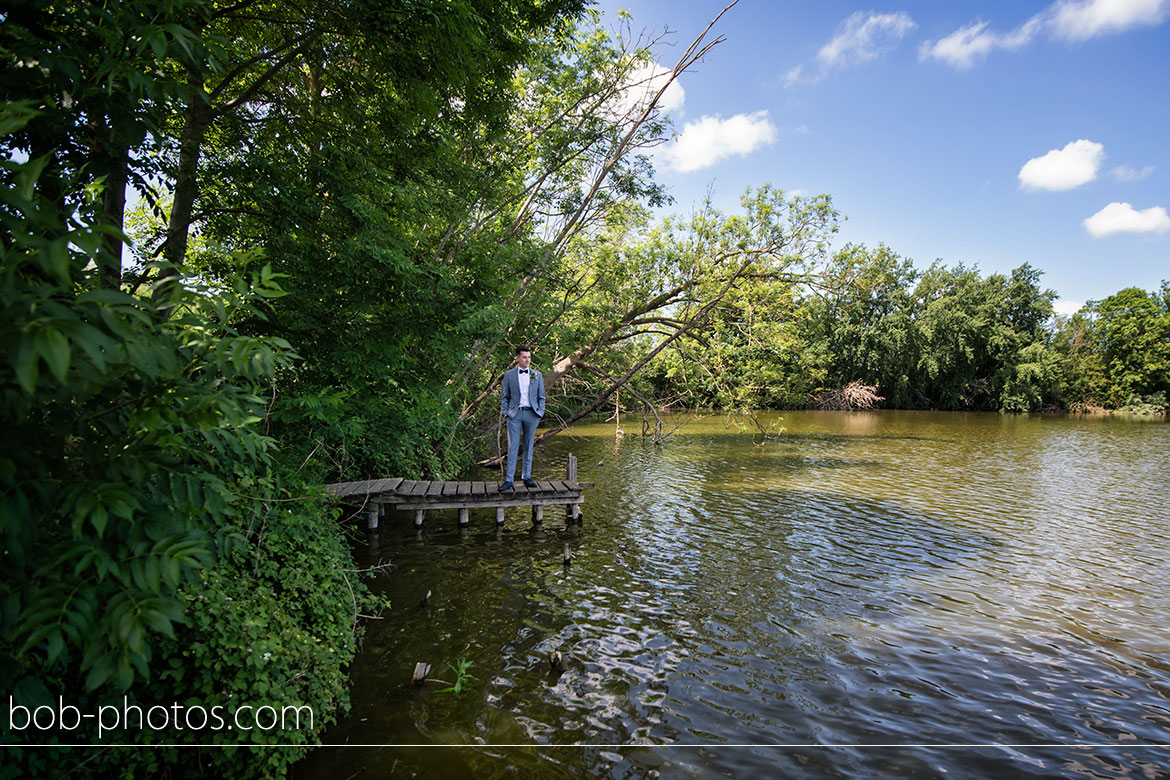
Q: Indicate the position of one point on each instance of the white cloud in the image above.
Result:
(1078, 20)
(863, 37)
(1124, 218)
(644, 83)
(860, 37)
(792, 77)
(712, 139)
(1067, 308)
(1068, 20)
(1129, 173)
(1063, 169)
(967, 45)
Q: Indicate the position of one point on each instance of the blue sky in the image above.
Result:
(992, 134)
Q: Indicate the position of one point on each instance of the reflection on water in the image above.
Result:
(853, 581)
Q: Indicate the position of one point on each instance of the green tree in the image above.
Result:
(1131, 334)
(858, 325)
(136, 462)
(136, 467)
(982, 343)
(433, 217)
(715, 281)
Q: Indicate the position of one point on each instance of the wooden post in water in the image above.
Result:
(499, 515)
(419, 514)
(571, 476)
(462, 516)
(372, 517)
(537, 515)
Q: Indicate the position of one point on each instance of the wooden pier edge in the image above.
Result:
(377, 495)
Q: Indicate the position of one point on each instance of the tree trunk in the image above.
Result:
(198, 118)
(114, 208)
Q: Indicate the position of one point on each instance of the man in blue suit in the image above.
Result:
(522, 404)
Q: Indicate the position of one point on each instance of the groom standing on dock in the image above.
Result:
(522, 404)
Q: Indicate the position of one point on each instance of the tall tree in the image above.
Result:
(1131, 330)
(639, 297)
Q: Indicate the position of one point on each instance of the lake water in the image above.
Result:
(885, 594)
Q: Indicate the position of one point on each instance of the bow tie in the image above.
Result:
(523, 370)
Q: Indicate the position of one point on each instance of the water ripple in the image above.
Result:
(867, 579)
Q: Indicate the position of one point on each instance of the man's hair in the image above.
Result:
(522, 349)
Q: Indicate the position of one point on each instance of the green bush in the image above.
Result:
(149, 547)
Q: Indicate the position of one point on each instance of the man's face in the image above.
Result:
(523, 358)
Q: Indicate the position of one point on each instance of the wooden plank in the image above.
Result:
(478, 488)
(436, 489)
(465, 488)
(406, 487)
(380, 485)
(559, 486)
(450, 488)
(545, 486)
(420, 488)
(458, 503)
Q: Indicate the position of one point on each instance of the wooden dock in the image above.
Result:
(378, 495)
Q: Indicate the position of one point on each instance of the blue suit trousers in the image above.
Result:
(521, 427)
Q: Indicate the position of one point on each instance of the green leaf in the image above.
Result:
(27, 366)
(55, 647)
(99, 517)
(99, 672)
(153, 574)
(54, 348)
(158, 43)
(157, 620)
(26, 177)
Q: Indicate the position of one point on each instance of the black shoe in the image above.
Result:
(505, 486)
(529, 483)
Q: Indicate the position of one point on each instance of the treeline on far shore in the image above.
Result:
(877, 332)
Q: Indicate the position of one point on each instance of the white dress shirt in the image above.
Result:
(524, 378)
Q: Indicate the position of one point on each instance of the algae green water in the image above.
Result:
(891, 594)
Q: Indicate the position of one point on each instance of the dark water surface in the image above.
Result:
(887, 594)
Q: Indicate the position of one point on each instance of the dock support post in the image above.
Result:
(537, 515)
(462, 516)
(499, 515)
(372, 517)
(419, 514)
(572, 511)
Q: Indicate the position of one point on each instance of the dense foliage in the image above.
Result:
(135, 469)
(159, 548)
(943, 338)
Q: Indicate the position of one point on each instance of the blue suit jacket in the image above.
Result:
(510, 394)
